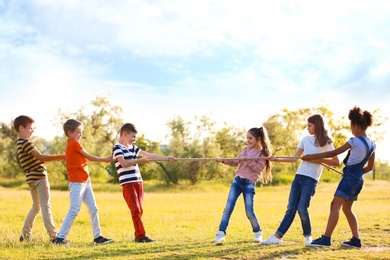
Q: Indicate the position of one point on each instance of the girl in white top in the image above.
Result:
(306, 178)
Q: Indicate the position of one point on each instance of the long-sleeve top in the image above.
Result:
(250, 169)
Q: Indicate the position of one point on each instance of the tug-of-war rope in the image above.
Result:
(243, 159)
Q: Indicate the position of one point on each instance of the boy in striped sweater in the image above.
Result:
(125, 155)
(33, 164)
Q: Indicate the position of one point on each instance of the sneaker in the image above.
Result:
(144, 239)
(102, 240)
(60, 241)
(272, 240)
(307, 240)
(25, 237)
(220, 237)
(258, 237)
(353, 242)
(322, 241)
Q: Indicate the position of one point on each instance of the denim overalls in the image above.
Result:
(352, 182)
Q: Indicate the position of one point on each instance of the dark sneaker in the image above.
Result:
(322, 241)
(25, 237)
(60, 241)
(354, 242)
(144, 239)
(102, 240)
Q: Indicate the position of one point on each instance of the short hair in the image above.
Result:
(71, 125)
(128, 128)
(22, 121)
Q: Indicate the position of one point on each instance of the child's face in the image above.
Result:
(76, 134)
(251, 141)
(311, 128)
(131, 137)
(26, 132)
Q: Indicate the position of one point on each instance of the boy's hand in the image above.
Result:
(108, 159)
(171, 159)
(143, 160)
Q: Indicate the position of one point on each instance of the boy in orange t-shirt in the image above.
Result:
(80, 183)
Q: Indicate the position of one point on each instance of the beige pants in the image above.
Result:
(40, 194)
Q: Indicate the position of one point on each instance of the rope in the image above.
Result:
(332, 169)
(211, 159)
(240, 159)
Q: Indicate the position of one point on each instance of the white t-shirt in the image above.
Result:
(313, 170)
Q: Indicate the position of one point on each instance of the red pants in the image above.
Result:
(133, 193)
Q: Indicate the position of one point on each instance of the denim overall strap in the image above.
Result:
(357, 169)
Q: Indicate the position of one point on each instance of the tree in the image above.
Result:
(9, 166)
(102, 122)
(198, 138)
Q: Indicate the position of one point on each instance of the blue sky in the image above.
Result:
(236, 61)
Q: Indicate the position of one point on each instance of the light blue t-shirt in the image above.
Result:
(358, 149)
(313, 170)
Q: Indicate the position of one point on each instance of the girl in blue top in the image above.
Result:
(361, 149)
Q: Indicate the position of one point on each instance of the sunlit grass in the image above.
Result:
(185, 220)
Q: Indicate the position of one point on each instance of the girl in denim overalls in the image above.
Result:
(247, 174)
(361, 150)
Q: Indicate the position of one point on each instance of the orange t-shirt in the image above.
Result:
(76, 164)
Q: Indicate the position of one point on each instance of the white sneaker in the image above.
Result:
(258, 237)
(307, 240)
(219, 238)
(272, 240)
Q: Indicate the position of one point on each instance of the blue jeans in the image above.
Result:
(302, 191)
(248, 189)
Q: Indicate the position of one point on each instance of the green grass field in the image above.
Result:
(184, 221)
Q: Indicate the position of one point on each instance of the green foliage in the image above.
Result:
(197, 138)
(102, 122)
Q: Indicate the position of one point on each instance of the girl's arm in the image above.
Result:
(47, 158)
(94, 158)
(370, 164)
(334, 161)
(297, 154)
(328, 154)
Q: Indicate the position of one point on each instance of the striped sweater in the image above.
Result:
(33, 168)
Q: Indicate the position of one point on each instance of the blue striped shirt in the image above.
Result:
(131, 173)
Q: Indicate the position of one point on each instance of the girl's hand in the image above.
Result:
(272, 158)
(218, 160)
(307, 157)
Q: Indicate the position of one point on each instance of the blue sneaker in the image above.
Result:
(354, 242)
(322, 241)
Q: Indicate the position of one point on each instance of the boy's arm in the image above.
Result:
(127, 163)
(95, 158)
(47, 158)
(153, 156)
